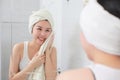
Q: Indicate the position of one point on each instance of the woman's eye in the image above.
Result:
(39, 29)
(47, 30)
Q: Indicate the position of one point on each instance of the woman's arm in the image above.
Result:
(14, 72)
(51, 64)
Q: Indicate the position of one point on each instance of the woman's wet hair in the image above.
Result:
(112, 6)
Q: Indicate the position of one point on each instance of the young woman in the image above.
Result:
(100, 23)
(25, 56)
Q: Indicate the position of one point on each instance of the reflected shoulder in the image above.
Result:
(76, 74)
(18, 46)
(18, 49)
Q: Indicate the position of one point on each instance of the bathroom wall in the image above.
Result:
(73, 55)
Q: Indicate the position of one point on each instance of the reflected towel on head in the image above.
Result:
(40, 15)
(39, 73)
(101, 28)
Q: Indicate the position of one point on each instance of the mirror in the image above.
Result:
(14, 28)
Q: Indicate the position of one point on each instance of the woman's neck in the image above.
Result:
(107, 59)
(34, 45)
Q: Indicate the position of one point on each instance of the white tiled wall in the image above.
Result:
(5, 49)
(18, 10)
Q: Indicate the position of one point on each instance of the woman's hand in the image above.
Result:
(37, 60)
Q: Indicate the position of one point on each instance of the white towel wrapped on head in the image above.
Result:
(42, 14)
(101, 28)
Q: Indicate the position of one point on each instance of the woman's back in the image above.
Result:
(103, 72)
(100, 23)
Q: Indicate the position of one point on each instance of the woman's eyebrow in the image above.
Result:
(39, 26)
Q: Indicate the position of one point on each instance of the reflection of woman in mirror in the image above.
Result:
(31, 56)
(100, 38)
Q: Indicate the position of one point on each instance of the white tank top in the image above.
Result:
(102, 72)
(25, 60)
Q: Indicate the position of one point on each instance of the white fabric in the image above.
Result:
(38, 73)
(103, 72)
(42, 14)
(101, 28)
(25, 60)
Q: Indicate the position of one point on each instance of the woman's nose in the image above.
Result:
(42, 33)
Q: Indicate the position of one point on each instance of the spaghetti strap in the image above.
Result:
(94, 77)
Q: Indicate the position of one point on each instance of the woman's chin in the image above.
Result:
(40, 42)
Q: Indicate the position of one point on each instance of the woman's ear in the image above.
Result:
(83, 40)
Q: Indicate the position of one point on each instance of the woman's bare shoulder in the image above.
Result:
(18, 46)
(17, 49)
(77, 74)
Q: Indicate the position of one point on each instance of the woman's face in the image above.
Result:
(87, 46)
(41, 31)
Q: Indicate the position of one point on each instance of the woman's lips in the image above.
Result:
(41, 39)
